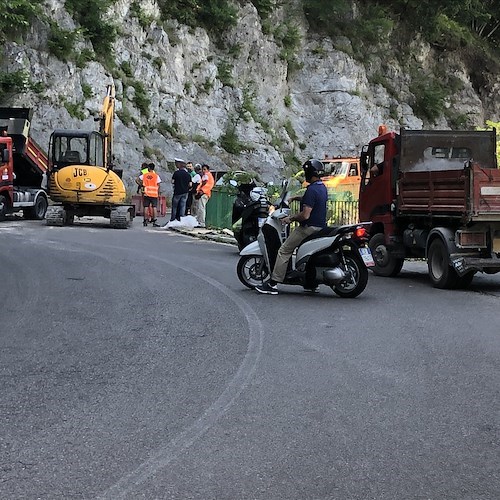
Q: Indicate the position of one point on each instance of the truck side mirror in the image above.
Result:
(364, 161)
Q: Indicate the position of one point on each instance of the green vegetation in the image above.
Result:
(448, 24)
(207, 85)
(248, 105)
(85, 56)
(471, 30)
(264, 7)
(152, 153)
(75, 109)
(141, 98)
(17, 82)
(224, 73)
(61, 42)
(290, 130)
(216, 16)
(127, 69)
(430, 95)
(16, 16)
(288, 35)
(136, 10)
(230, 141)
(125, 116)
(168, 130)
(90, 14)
(87, 91)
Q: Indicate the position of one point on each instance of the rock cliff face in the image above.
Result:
(199, 94)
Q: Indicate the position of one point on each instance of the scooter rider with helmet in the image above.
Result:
(311, 218)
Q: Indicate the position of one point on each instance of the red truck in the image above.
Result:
(434, 195)
(23, 166)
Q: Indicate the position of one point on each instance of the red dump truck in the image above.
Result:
(434, 195)
(23, 166)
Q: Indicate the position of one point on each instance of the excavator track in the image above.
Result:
(55, 215)
(120, 217)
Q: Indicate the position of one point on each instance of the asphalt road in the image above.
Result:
(133, 364)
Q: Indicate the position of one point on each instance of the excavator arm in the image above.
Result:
(106, 123)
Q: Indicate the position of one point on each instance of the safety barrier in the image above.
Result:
(220, 207)
(139, 208)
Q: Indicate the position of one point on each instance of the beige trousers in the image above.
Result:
(201, 209)
(297, 236)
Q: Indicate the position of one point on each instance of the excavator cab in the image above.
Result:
(68, 147)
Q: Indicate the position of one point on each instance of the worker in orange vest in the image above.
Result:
(151, 183)
(203, 192)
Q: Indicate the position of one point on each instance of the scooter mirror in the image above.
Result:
(233, 183)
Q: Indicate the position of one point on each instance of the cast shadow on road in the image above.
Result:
(482, 283)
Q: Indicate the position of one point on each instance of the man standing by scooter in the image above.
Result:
(311, 218)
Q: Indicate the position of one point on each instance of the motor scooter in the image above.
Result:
(334, 256)
(250, 209)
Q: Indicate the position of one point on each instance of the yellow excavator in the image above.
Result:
(82, 180)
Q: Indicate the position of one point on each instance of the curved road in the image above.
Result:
(133, 364)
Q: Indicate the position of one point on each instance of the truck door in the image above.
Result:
(375, 191)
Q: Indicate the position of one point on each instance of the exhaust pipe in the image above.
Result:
(333, 276)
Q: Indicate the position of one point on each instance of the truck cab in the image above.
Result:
(23, 166)
(379, 163)
(342, 175)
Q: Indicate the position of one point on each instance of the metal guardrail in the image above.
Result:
(220, 207)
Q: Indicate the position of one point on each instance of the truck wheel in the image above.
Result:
(442, 275)
(3, 207)
(385, 263)
(37, 211)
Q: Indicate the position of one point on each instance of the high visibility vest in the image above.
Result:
(207, 187)
(150, 183)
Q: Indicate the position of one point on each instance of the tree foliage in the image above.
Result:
(447, 23)
(215, 16)
(16, 16)
(90, 14)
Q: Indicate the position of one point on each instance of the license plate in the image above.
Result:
(366, 255)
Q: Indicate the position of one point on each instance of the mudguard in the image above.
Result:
(252, 249)
(444, 233)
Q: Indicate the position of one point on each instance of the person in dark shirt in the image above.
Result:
(311, 218)
(182, 183)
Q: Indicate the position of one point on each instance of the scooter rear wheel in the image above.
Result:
(356, 279)
(252, 270)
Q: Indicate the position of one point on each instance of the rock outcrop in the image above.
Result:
(197, 94)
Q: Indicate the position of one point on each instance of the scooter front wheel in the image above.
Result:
(252, 270)
(356, 277)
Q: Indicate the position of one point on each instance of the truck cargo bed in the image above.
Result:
(473, 192)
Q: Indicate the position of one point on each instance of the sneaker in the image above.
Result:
(312, 290)
(155, 224)
(144, 222)
(267, 288)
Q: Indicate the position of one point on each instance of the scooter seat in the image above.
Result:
(323, 233)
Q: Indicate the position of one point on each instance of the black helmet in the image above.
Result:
(313, 168)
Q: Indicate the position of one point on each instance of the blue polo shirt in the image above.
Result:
(315, 197)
